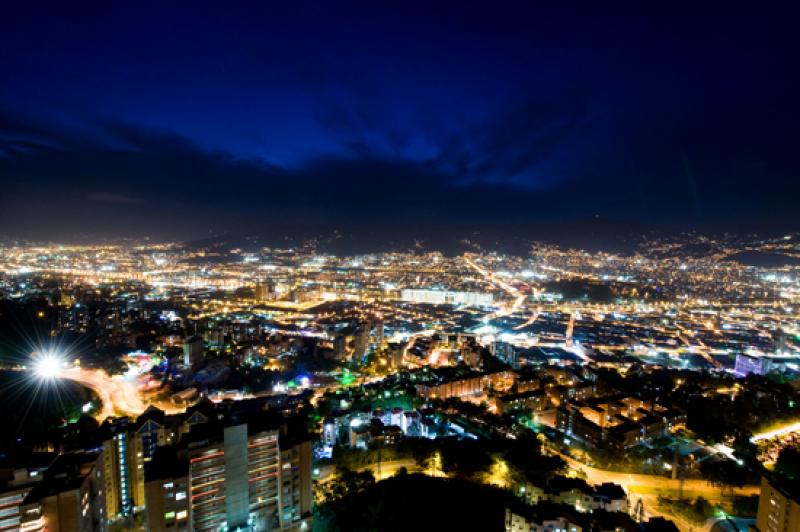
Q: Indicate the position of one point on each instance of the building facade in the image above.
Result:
(778, 509)
(234, 477)
(71, 497)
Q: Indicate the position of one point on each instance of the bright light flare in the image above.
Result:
(48, 366)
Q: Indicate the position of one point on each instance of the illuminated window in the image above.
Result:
(182, 514)
(169, 515)
(180, 495)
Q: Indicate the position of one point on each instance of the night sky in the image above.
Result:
(136, 118)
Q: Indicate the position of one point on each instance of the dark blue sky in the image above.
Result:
(136, 118)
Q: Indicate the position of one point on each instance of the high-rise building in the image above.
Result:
(10, 500)
(505, 352)
(747, 364)
(340, 347)
(329, 433)
(192, 351)
(19, 474)
(127, 451)
(780, 342)
(379, 334)
(360, 342)
(248, 475)
(70, 497)
(395, 356)
(778, 508)
(117, 465)
(167, 493)
(265, 290)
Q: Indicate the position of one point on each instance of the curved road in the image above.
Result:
(635, 484)
(638, 480)
(118, 396)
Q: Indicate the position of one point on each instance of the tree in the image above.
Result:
(745, 449)
(702, 507)
(788, 463)
(346, 482)
(465, 458)
(723, 473)
(526, 460)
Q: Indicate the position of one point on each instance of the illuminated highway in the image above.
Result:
(637, 486)
(637, 481)
(117, 395)
(491, 277)
(519, 297)
(781, 431)
(528, 323)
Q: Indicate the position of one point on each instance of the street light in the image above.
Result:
(48, 366)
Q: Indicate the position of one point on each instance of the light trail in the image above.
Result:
(519, 297)
(570, 329)
(117, 395)
(530, 321)
(578, 351)
(634, 481)
(703, 351)
(113, 394)
(491, 277)
(780, 431)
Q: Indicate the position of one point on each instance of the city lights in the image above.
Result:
(529, 358)
(345, 266)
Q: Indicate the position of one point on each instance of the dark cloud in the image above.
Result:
(530, 161)
(177, 179)
(190, 121)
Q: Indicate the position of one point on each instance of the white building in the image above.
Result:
(446, 297)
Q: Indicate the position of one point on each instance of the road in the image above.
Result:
(781, 431)
(651, 510)
(491, 277)
(119, 396)
(530, 321)
(637, 481)
(388, 469)
(519, 297)
(638, 486)
(385, 470)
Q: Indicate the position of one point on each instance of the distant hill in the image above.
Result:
(763, 259)
(593, 234)
(623, 237)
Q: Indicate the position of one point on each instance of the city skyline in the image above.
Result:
(654, 390)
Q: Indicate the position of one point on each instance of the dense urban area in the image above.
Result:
(188, 386)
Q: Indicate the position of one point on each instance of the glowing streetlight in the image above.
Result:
(48, 366)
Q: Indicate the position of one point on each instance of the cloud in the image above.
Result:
(530, 142)
(534, 159)
(186, 187)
